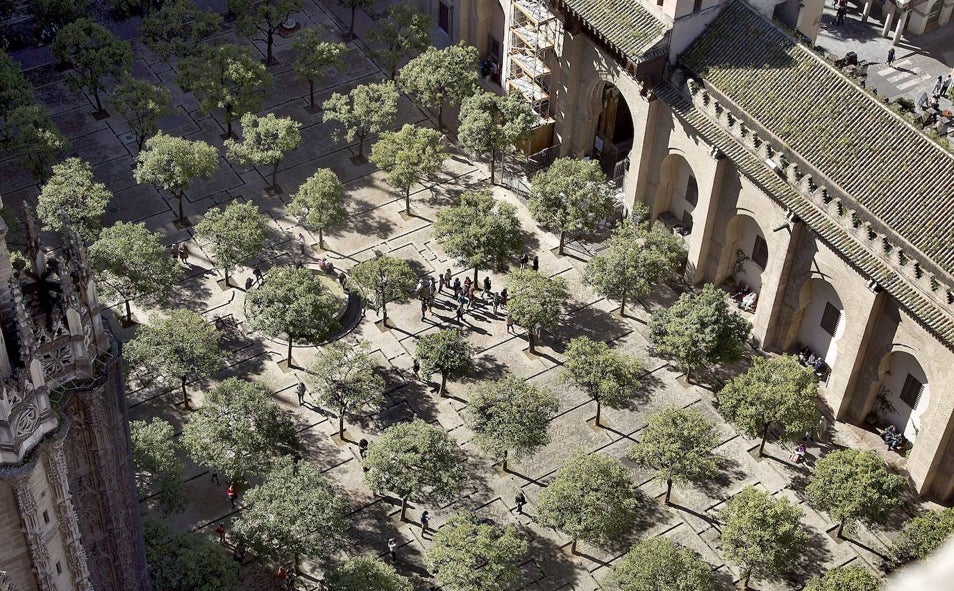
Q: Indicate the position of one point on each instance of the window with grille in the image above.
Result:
(911, 392)
(830, 318)
(760, 252)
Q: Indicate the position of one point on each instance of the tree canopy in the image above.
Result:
(227, 77)
(659, 564)
(159, 470)
(510, 415)
(368, 109)
(846, 578)
(315, 56)
(382, 280)
(186, 561)
(94, 54)
(366, 573)
(490, 123)
(441, 76)
(403, 33)
(469, 556)
(603, 373)
(761, 533)
(178, 28)
(922, 536)
(294, 512)
(777, 391)
(131, 262)
(15, 89)
(570, 196)
(141, 105)
(591, 499)
(635, 260)
(347, 379)
(175, 348)
(239, 431)
(535, 301)
(446, 352)
(266, 141)
(677, 444)
(262, 17)
(854, 485)
(72, 190)
(481, 232)
(47, 13)
(172, 163)
(319, 203)
(30, 134)
(699, 329)
(235, 235)
(408, 155)
(416, 461)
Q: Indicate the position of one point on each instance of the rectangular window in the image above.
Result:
(830, 318)
(911, 392)
(760, 252)
(443, 17)
(696, 5)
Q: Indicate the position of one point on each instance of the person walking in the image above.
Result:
(259, 276)
(496, 300)
(300, 391)
(232, 494)
(425, 522)
(510, 324)
(460, 312)
(456, 287)
(524, 259)
(535, 263)
(215, 478)
(423, 307)
(520, 501)
(890, 56)
(440, 283)
(220, 530)
(184, 253)
(487, 286)
(392, 549)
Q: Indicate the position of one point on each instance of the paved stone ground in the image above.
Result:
(376, 225)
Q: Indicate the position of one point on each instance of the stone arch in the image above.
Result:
(822, 319)
(614, 125)
(678, 193)
(745, 236)
(903, 391)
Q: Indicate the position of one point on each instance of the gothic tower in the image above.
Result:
(69, 517)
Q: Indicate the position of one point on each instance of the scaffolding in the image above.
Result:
(533, 31)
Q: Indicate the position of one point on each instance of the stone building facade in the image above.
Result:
(69, 516)
(780, 173)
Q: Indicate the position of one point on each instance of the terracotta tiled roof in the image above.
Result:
(625, 24)
(934, 319)
(899, 179)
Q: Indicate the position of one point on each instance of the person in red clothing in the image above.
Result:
(232, 494)
(220, 529)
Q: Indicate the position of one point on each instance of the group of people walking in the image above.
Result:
(466, 294)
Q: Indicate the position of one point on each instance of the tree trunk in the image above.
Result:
(99, 104)
(321, 239)
(562, 241)
(573, 547)
(599, 410)
(311, 92)
(493, 163)
(361, 145)
(269, 42)
(504, 463)
(622, 304)
(403, 507)
(475, 274)
(140, 140)
(764, 435)
(228, 124)
(443, 384)
(179, 196)
(668, 489)
(745, 578)
(407, 201)
(128, 312)
(185, 395)
(688, 375)
(289, 351)
(530, 340)
(341, 423)
(275, 176)
(841, 526)
(384, 313)
(351, 36)
(226, 271)
(440, 117)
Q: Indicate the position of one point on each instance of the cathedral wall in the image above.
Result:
(14, 556)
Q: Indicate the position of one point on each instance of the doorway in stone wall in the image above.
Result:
(614, 130)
